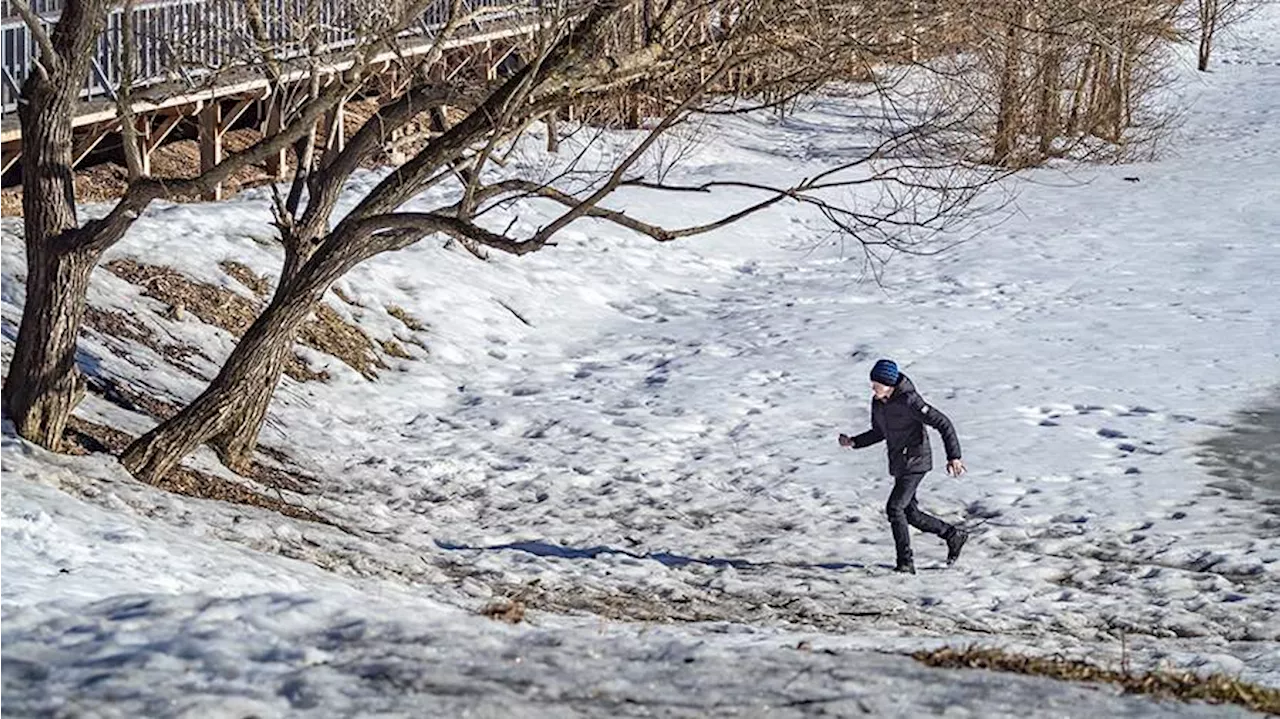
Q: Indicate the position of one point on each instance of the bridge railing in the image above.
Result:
(186, 40)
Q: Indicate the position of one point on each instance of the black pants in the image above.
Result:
(903, 510)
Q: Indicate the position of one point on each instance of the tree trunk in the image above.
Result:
(1007, 119)
(230, 412)
(1206, 46)
(1207, 12)
(1049, 103)
(236, 444)
(238, 439)
(43, 386)
(1098, 93)
(1079, 95)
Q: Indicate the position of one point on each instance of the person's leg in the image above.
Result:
(926, 522)
(902, 496)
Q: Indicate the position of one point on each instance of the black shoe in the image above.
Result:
(954, 544)
(906, 566)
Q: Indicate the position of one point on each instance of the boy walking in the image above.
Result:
(898, 417)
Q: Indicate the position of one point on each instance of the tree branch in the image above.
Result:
(36, 26)
(405, 181)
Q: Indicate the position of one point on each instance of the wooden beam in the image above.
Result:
(496, 61)
(91, 139)
(259, 84)
(237, 111)
(211, 144)
(159, 135)
(12, 153)
(335, 134)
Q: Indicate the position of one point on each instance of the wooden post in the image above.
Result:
(335, 135)
(277, 162)
(553, 132)
(144, 145)
(211, 143)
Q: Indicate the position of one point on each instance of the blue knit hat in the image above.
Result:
(885, 372)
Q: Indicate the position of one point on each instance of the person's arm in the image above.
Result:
(866, 439)
(934, 418)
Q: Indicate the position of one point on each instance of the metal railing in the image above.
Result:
(183, 40)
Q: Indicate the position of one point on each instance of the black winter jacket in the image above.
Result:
(900, 422)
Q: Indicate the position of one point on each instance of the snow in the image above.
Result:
(650, 454)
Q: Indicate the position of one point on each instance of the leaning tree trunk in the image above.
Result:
(236, 443)
(231, 410)
(43, 385)
(238, 439)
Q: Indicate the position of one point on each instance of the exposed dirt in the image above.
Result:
(1185, 686)
(84, 436)
(215, 305)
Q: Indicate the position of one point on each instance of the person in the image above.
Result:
(898, 417)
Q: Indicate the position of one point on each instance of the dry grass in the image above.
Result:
(619, 605)
(92, 184)
(391, 348)
(121, 325)
(118, 324)
(505, 610)
(299, 370)
(176, 160)
(331, 334)
(278, 478)
(214, 305)
(84, 436)
(242, 273)
(1185, 686)
(126, 396)
(327, 332)
(407, 319)
(343, 296)
(181, 159)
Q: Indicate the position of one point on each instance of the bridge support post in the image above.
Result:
(144, 144)
(211, 143)
(335, 134)
(277, 162)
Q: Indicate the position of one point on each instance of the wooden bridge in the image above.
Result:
(195, 58)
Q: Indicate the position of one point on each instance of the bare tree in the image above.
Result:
(43, 385)
(1212, 16)
(1060, 78)
(685, 60)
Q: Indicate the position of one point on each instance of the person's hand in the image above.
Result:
(846, 440)
(955, 467)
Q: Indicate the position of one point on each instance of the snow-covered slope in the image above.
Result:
(624, 434)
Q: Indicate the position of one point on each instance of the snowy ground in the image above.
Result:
(649, 456)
